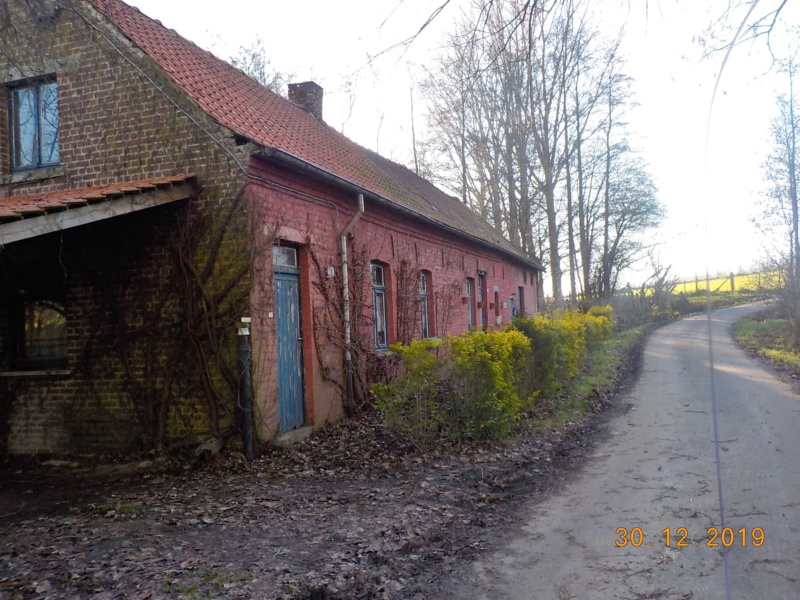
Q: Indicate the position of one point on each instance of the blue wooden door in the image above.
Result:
(290, 351)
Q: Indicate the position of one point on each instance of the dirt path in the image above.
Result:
(657, 471)
(345, 514)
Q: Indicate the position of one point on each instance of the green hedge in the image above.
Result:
(477, 385)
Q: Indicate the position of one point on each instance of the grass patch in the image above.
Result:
(694, 303)
(207, 584)
(768, 335)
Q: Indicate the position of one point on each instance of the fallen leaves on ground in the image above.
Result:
(347, 513)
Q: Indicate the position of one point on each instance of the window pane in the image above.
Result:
(380, 318)
(424, 317)
(377, 275)
(284, 256)
(470, 309)
(24, 128)
(45, 331)
(48, 98)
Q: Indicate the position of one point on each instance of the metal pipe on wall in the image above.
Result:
(348, 357)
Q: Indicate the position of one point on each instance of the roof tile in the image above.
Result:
(253, 111)
(14, 208)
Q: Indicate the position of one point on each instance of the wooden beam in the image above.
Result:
(113, 207)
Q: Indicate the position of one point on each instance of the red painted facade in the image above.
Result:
(309, 214)
(138, 102)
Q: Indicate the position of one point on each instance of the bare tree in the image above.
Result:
(745, 21)
(530, 119)
(780, 206)
(252, 61)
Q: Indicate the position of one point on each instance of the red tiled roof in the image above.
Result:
(14, 208)
(256, 113)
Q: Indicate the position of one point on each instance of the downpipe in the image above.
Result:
(348, 356)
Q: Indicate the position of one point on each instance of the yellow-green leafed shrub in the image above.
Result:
(411, 403)
(558, 344)
(486, 400)
(472, 385)
(606, 311)
(598, 323)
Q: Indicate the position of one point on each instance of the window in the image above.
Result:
(470, 303)
(41, 334)
(33, 115)
(379, 305)
(521, 296)
(424, 304)
(37, 324)
(284, 256)
(482, 309)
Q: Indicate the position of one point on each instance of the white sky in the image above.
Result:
(330, 42)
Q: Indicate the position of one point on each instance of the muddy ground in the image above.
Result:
(347, 513)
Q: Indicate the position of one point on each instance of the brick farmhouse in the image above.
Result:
(152, 196)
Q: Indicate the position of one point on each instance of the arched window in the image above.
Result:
(425, 304)
(41, 335)
(470, 303)
(378, 272)
(482, 300)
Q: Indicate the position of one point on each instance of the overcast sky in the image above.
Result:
(331, 42)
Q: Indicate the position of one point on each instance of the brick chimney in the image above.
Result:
(308, 96)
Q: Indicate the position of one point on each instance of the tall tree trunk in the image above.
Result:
(570, 215)
(793, 179)
(513, 205)
(605, 289)
(552, 235)
(583, 233)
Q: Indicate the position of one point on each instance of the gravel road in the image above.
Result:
(657, 471)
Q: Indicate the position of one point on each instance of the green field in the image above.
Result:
(749, 281)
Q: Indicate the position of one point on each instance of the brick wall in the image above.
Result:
(115, 124)
(110, 272)
(310, 215)
(121, 120)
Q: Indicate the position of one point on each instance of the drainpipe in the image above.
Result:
(348, 357)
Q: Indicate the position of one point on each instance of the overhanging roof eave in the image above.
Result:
(297, 163)
(113, 206)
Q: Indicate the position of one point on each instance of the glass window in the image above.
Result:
(379, 305)
(34, 126)
(41, 334)
(521, 296)
(482, 308)
(284, 256)
(470, 303)
(424, 304)
(378, 275)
